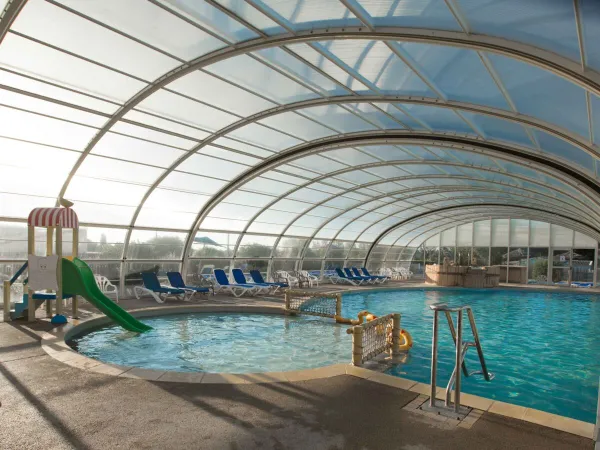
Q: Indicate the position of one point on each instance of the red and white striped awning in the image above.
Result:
(52, 217)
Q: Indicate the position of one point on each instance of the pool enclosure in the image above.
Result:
(294, 134)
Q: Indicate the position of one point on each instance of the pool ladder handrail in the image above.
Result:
(461, 352)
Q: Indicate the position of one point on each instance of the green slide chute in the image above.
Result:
(78, 279)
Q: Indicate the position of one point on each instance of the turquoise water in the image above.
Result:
(543, 347)
(219, 342)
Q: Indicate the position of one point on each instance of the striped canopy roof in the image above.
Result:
(52, 217)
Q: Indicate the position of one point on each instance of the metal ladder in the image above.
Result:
(449, 409)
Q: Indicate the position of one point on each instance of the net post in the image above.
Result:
(6, 301)
(357, 345)
(396, 330)
(338, 304)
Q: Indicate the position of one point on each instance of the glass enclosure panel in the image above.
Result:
(332, 264)
(560, 236)
(537, 265)
(539, 234)
(481, 256)
(203, 268)
(560, 275)
(519, 232)
(463, 256)
(155, 245)
(7, 270)
(561, 258)
(101, 243)
(432, 255)
(499, 232)
(482, 233)
(252, 264)
(289, 247)
(13, 241)
(447, 252)
(582, 265)
(312, 264)
(111, 270)
(256, 246)
(285, 264)
(317, 248)
(213, 245)
(339, 249)
(517, 256)
(464, 235)
(498, 256)
(133, 273)
(448, 237)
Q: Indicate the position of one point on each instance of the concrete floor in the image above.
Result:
(46, 404)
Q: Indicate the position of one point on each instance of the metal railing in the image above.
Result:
(461, 351)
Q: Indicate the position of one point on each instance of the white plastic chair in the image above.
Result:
(312, 280)
(283, 276)
(106, 286)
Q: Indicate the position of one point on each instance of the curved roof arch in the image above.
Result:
(203, 100)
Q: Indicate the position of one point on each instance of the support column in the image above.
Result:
(6, 300)
(59, 253)
(75, 300)
(30, 251)
(49, 239)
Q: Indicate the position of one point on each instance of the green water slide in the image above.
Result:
(78, 279)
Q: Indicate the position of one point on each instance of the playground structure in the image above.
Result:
(54, 220)
(369, 339)
(68, 277)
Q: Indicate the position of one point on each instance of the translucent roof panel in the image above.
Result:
(259, 119)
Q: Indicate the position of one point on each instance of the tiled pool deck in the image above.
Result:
(53, 397)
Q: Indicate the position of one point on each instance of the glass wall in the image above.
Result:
(547, 253)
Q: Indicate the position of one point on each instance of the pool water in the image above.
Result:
(222, 342)
(543, 347)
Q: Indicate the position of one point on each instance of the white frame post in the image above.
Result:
(59, 253)
(49, 239)
(30, 251)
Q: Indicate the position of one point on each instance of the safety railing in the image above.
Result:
(6, 291)
(460, 353)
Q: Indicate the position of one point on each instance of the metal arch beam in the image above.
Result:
(9, 14)
(473, 217)
(450, 208)
(563, 134)
(436, 229)
(399, 178)
(424, 191)
(498, 205)
(470, 218)
(562, 66)
(546, 217)
(407, 163)
(391, 137)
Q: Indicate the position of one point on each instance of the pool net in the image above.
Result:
(313, 303)
(372, 338)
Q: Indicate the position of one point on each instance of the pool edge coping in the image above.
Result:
(54, 345)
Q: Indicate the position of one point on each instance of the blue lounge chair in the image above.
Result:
(237, 290)
(376, 278)
(350, 275)
(382, 277)
(240, 279)
(176, 281)
(341, 276)
(153, 287)
(370, 279)
(258, 278)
